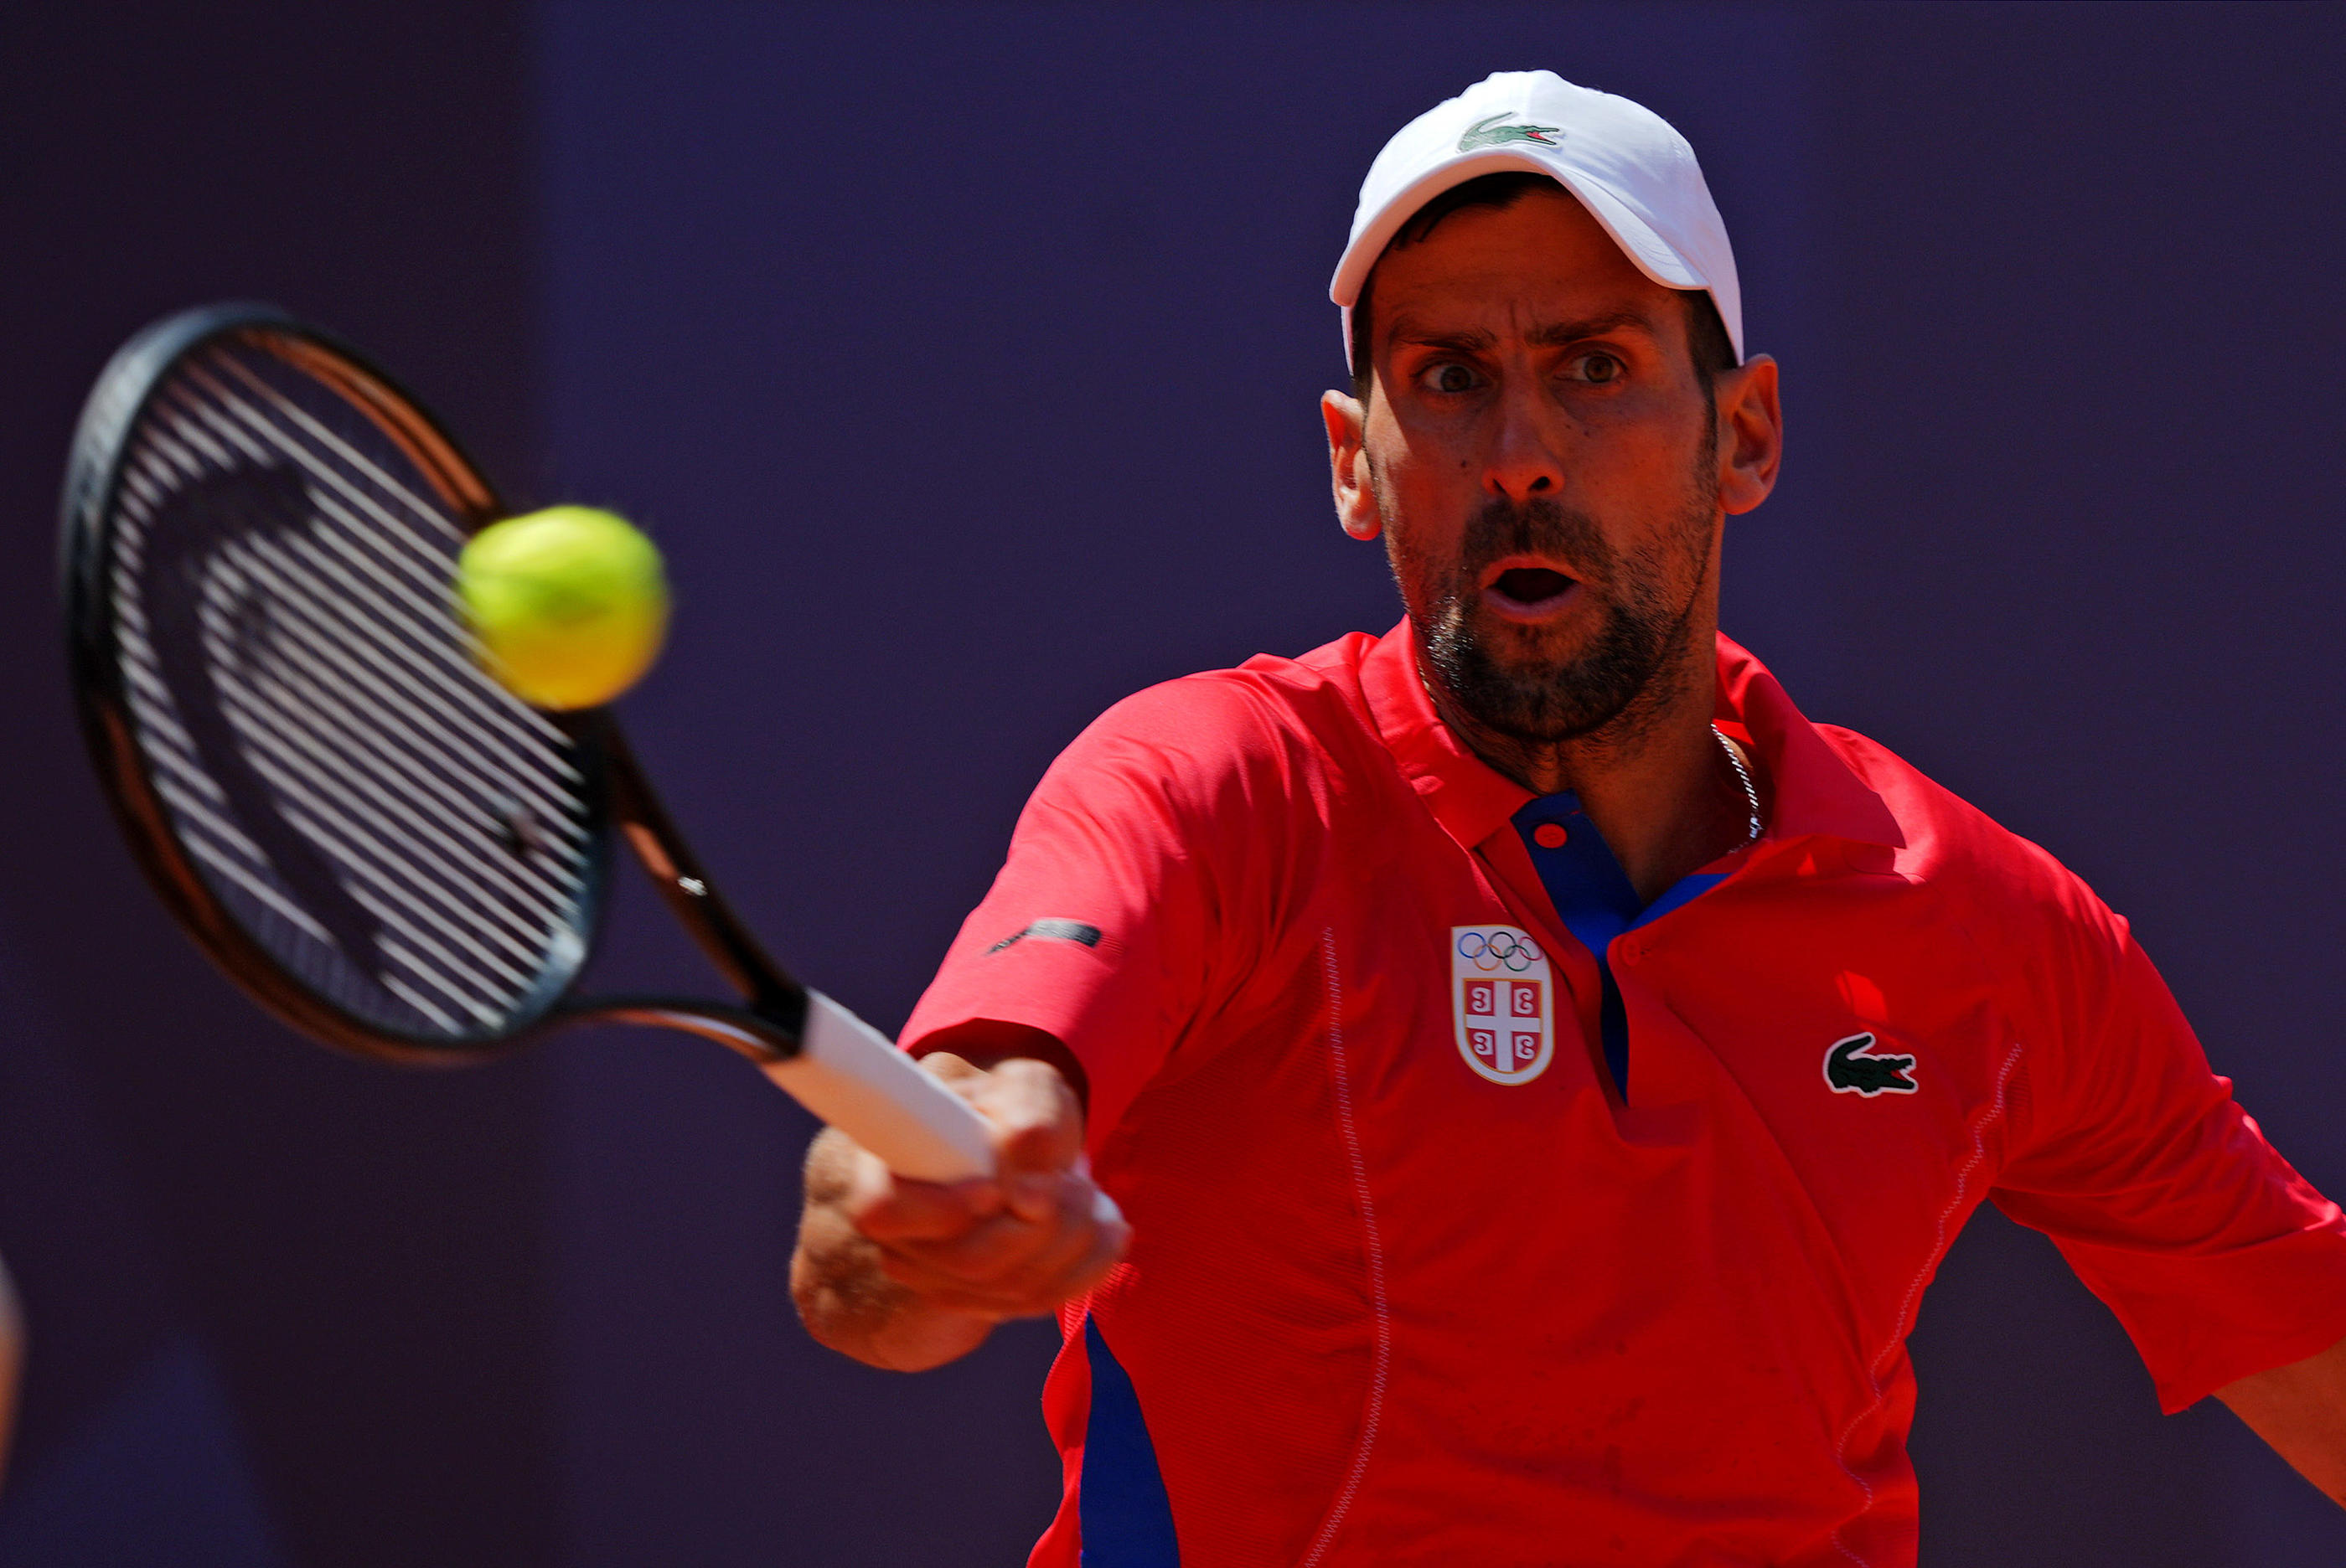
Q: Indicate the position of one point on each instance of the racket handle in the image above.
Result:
(854, 1078)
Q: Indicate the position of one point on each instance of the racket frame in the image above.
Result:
(767, 1027)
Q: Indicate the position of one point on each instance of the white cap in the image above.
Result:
(1635, 174)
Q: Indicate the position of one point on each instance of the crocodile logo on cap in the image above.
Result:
(1488, 132)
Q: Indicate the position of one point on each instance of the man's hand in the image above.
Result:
(2301, 1411)
(909, 1275)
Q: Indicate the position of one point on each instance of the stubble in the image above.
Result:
(1528, 683)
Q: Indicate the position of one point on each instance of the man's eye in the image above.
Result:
(1598, 368)
(1451, 377)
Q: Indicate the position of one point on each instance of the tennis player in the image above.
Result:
(1541, 1070)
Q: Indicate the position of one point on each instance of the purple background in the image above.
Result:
(962, 361)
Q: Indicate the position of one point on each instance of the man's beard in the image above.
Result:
(1514, 678)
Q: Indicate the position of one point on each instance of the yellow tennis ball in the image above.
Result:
(569, 604)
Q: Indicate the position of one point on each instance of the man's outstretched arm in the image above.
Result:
(2301, 1411)
(908, 1275)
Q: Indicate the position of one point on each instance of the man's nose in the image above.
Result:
(1523, 462)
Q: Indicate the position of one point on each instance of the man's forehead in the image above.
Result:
(1498, 320)
(1541, 257)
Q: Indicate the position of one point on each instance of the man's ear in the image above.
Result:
(1750, 434)
(1347, 465)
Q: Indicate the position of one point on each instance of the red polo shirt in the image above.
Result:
(1412, 1283)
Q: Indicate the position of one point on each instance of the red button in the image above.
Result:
(1549, 835)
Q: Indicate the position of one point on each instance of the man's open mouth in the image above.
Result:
(1530, 596)
(1526, 590)
(1530, 586)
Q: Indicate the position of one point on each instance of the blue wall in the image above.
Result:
(286, 1307)
(963, 359)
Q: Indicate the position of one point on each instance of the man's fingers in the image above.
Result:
(1008, 1257)
(1083, 1243)
(952, 1069)
(886, 1207)
(1006, 1244)
(1015, 1246)
(1023, 1298)
(1038, 1125)
(1108, 1242)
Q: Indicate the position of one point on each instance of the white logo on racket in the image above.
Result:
(1503, 999)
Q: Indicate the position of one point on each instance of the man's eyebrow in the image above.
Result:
(1475, 340)
(1560, 332)
(1467, 340)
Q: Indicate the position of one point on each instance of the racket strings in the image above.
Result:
(380, 529)
(392, 827)
(301, 759)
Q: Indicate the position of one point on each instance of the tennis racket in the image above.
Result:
(368, 834)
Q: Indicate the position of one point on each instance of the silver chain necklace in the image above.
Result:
(1743, 776)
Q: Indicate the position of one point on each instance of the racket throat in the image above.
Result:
(772, 996)
(762, 1039)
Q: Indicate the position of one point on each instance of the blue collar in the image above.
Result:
(1595, 900)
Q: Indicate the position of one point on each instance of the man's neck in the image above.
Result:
(1654, 779)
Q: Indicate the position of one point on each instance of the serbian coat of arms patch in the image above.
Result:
(1503, 995)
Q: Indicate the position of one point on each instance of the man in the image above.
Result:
(1541, 1069)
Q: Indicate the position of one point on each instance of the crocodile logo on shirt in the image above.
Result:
(1852, 1068)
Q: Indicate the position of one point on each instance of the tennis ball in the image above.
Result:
(569, 604)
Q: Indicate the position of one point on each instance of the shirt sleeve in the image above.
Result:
(2218, 1257)
(1125, 901)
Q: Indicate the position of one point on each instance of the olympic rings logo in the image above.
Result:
(1500, 949)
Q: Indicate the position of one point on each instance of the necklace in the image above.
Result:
(1743, 776)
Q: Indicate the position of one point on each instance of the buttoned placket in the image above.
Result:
(1596, 902)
